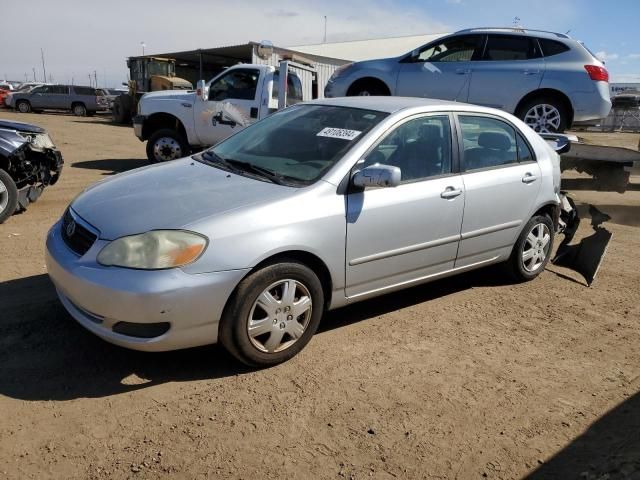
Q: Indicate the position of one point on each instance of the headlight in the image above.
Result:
(156, 249)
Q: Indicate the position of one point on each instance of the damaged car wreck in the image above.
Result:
(29, 161)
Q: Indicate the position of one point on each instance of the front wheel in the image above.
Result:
(8, 196)
(544, 115)
(273, 314)
(531, 252)
(165, 145)
(23, 106)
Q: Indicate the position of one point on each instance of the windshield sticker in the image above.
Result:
(342, 133)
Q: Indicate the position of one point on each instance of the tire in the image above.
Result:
(121, 110)
(8, 196)
(23, 106)
(279, 336)
(524, 270)
(544, 115)
(79, 110)
(366, 89)
(166, 144)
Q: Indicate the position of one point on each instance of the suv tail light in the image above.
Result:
(596, 73)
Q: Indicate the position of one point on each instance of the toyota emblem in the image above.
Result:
(71, 228)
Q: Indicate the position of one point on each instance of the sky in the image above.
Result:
(80, 37)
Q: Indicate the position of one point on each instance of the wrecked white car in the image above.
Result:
(29, 161)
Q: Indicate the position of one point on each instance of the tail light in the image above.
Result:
(596, 73)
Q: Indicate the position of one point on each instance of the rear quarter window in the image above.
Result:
(85, 91)
(552, 47)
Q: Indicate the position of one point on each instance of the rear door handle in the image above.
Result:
(531, 72)
(463, 71)
(451, 192)
(529, 178)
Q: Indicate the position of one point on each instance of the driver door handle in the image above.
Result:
(531, 72)
(451, 192)
(529, 178)
(463, 71)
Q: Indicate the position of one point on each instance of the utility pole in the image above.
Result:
(44, 70)
(95, 77)
(26, 78)
(143, 45)
(90, 80)
(325, 30)
(34, 73)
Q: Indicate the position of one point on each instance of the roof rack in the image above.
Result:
(512, 29)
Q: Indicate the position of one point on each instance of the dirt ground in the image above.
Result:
(469, 377)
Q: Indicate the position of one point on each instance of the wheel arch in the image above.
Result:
(551, 210)
(159, 120)
(315, 263)
(548, 92)
(368, 80)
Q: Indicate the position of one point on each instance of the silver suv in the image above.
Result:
(79, 100)
(548, 80)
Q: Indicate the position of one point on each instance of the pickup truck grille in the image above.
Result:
(77, 237)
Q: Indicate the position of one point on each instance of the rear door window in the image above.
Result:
(85, 91)
(488, 142)
(294, 88)
(511, 47)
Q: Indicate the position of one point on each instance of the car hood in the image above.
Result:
(169, 196)
(20, 126)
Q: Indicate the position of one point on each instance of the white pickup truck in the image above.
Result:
(176, 122)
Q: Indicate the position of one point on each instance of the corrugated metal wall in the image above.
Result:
(323, 71)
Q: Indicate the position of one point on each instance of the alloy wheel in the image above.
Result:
(543, 118)
(279, 316)
(4, 197)
(23, 107)
(536, 247)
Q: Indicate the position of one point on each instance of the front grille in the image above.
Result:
(77, 237)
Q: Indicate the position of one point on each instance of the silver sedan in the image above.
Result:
(315, 207)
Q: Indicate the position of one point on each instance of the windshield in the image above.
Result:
(298, 144)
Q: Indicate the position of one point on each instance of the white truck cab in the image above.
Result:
(177, 122)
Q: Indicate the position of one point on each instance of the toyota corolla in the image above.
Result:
(317, 206)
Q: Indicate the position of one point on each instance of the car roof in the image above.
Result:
(516, 31)
(385, 104)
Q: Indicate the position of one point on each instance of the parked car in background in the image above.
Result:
(106, 96)
(29, 161)
(291, 216)
(548, 80)
(4, 92)
(77, 99)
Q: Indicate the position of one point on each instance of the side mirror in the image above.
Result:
(377, 175)
(560, 143)
(202, 90)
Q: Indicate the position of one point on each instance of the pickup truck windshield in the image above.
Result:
(298, 144)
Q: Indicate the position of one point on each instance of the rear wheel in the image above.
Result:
(273, 314)
(544, 115)
(121, 109)
(79, 110)
(165, 145)
(533, 249)
(23, 106)
(8, 196)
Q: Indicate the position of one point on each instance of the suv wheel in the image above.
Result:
(367, 89)
(8, 196)
(273, 314)
(166, 144)
(533, 249)
(23, 106)
(544, 115)
(79, 110)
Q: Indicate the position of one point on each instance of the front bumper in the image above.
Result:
(100, 297)
(138, 123)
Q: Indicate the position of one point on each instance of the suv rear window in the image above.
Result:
(85, 91)
(511, 47)
(552, 47)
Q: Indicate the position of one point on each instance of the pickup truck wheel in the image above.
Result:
(8, 196)
(273, 314)
(165, 145)
(532, 250)
(23, 106)
(79, 110)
